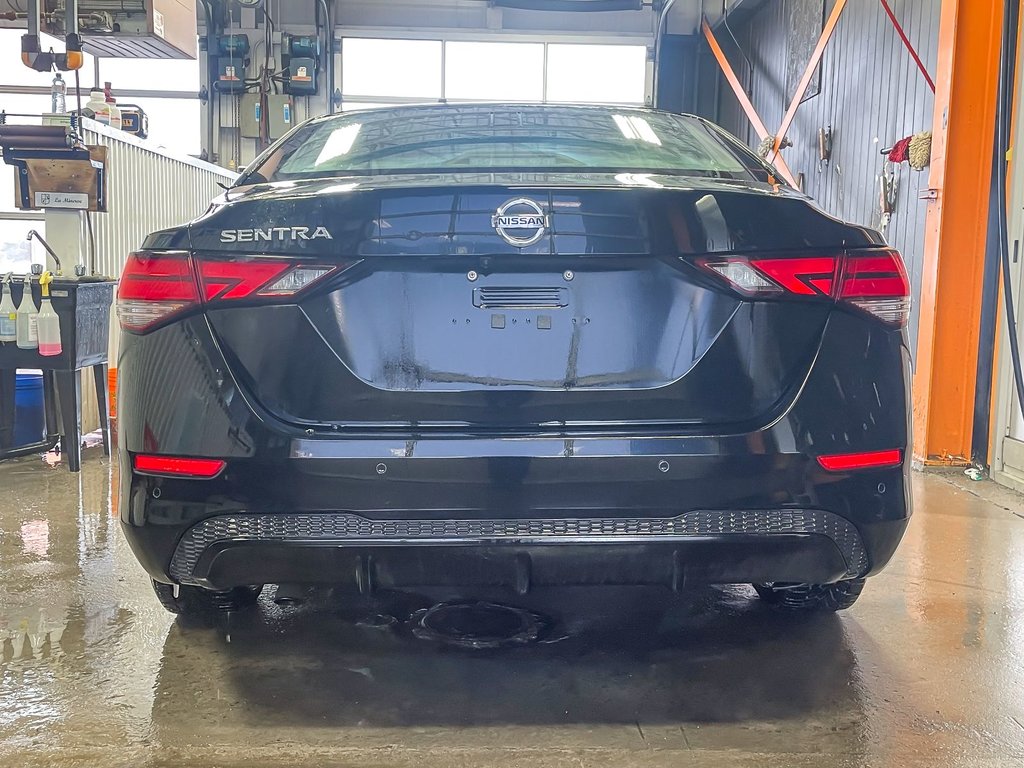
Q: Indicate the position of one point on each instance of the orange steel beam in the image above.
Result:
(805, 80)
(949, 312)
(744, 100)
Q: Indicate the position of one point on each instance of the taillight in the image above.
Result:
(248, 278)
(879, 284)
(874, 281)
(157, 285)
(154, 286)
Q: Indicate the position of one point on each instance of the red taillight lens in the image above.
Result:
(871, 460)
(256, 277)
(875, 281)
(154, 286)
(157, 285)
(177, 466)
(237, 279)
(813, 276)
(879, 284)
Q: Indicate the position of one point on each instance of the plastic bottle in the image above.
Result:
(8, 314)
(48, 322)
(28, 319)
(58, 93)
(112, 109)
(115, 114)
(97, 108)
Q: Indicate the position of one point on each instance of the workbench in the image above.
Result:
(83, 306)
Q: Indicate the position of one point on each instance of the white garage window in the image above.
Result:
(494, 71)
(409, 69)
(597, 73)
(151, 74)
(379, 72)
(174, 124)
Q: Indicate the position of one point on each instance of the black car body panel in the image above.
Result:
(447, 407)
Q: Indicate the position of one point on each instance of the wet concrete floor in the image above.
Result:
(927, 669)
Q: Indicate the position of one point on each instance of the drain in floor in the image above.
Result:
(477, 625)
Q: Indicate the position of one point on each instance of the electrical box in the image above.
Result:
(249, 116)
(130, 29)
(279, 110)
(300, 59)
(301, 76)
(231, 62)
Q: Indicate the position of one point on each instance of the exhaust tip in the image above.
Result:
(290, 595)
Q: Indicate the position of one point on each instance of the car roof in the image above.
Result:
(488, 106)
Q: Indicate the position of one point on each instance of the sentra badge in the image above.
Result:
(271, 234)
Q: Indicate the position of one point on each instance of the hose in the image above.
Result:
(658, 35)
(1005, 105)
(329, 50)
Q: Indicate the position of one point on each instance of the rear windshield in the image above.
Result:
(468, 139)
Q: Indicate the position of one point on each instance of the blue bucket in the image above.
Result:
(29, 416)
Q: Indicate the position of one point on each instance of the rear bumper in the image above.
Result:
(765, 545)
(516, 520)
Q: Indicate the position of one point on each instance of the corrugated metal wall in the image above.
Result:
(148, 190)
(872, 94)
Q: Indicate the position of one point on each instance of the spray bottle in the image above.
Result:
(49, 323)
(8, 314)
(28, 319)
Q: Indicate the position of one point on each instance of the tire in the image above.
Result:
(196, 602)
(812, 597)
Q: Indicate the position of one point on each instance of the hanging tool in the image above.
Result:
(47, 322)
(824, 145)
(888, 184)
(919, 152)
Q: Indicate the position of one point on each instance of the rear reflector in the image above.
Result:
(874, 459)
(176, 466)
(874, 281)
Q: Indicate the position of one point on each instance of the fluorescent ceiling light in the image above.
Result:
(636, 128)
(339, 143)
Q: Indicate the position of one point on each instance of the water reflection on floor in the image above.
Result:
(928, 669)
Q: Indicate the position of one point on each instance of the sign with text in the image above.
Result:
(62, 200)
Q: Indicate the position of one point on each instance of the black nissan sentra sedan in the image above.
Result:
(518, 346)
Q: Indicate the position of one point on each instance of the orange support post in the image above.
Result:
(955, 229)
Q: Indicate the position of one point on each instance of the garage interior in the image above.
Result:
(895, 115)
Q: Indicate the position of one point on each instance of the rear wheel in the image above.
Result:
(812, 597)
(193, 601)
